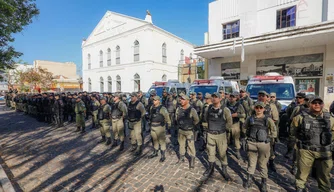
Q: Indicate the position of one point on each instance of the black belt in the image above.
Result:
(216, 132)
(256, 141)
(186, 129)
(312, 148)
(156, 124)
(134, 120)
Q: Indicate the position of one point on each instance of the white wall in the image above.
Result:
(259, 16)
(150, 67)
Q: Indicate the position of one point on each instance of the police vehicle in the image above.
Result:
(283, 86)
(214, 84)
(171, 85)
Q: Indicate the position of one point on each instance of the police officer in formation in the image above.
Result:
(312, 130)
(94, 108)
(187, 119)
(118, 114)
(80, 111)
(104, 114)
(171, 104)
(219, 122)
(136, 111)
(58, 111)
(159, 118)
(258, 129)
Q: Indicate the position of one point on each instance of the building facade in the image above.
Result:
(125, 54)
(292, 37)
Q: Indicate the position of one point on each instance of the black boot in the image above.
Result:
(121, 147)
(108, 142)
(272, 165)
(209, 170)
(293, 170)
(154, 154)
(93, 126)
(237, 154)
(83, 130)
(102, 140)
(192, 163)
(114, 144)
(78, 129)
(133, 147)
(181, 160)
(225, 174)
(248, 182)
(139, 150)
(264, 185)
(163, 157)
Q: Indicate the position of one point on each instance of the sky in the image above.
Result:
(56, 33)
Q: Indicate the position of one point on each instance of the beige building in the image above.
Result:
(63, 73)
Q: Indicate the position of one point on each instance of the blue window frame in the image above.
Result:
(286, 17)
(231, 30)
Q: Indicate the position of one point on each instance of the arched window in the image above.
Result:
(118, 55)
(101, 58)
(118, 84)
(89, 85)
(109, 57)
(101, 85)
(164, 53)
(89, 62)
(182, 56)
(136, 82)
(136, 51)
(109, 84)
(164, 77)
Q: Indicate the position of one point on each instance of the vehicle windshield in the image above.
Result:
(158, 90)
(283, 91)
(228, 90)
(204, 89)
(179, 90)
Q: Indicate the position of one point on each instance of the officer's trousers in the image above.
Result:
(258, 153)
(80, 120)
(159, 137)
(186, 139)
(136, 132)
(218, 142)
(105, 128)
(118, 129)
(323, 164)
(236, 135)
(95, 120)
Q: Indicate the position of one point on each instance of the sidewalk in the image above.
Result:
(5, 185)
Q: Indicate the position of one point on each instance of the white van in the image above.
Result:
(171, 85)
(214, 84)
(283, 86)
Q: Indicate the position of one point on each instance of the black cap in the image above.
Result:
(300, 94)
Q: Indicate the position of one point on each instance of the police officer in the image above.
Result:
(219, 120)
(159, 117)
(118, 114)
(238, 113)
(186, 118)
(136, 111)
(313, 132)
(207, 103)
(259, 130)
(94, 108)
(273, 99)
(223, 100)
(59, 111)
(104, 114)
(246, 102)
(80, 111)
(171, 108)
(200, 96)
(270, 110)
(198, 106)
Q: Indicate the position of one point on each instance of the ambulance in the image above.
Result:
(214, 84)
(283, 86)
(171, 85)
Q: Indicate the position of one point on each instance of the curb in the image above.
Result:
(5, 182)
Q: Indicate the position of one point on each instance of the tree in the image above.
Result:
(14, 16)
(33, 78)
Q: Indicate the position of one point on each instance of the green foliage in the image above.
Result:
(14, 16)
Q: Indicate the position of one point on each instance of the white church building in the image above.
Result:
(125, 54)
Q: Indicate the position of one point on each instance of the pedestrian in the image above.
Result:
(104, 115)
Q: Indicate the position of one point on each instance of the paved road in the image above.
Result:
(38, 157)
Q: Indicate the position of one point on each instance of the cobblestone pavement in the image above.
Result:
(38, 157)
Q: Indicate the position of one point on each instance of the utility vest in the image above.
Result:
(195, 106)
(258, 129)
(134, 114)
(315, 131)
(116, 113)
(170, 105)
(234, 109)
(184, 121)
(216, 120)
(94, 106)
(102, 114)
(267, 111)
(157, 119)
